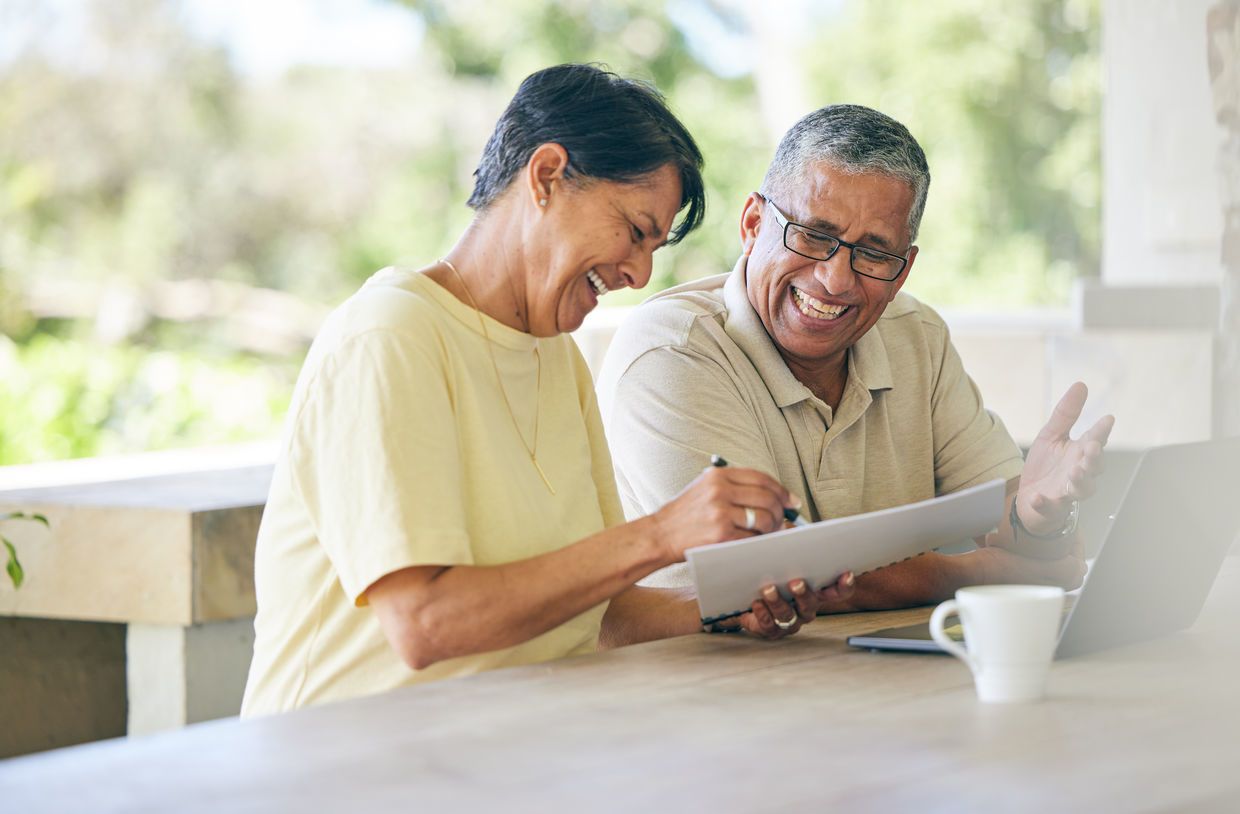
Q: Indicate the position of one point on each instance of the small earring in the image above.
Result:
(542, 201)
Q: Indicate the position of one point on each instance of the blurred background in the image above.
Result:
(186, 187)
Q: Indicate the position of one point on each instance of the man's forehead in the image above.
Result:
(829, 198)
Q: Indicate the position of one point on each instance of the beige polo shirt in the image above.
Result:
(693, 372)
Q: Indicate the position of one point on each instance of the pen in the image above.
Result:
(791, 515)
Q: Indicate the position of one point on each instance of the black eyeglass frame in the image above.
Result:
(786, 222)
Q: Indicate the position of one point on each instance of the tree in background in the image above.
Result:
(1005, 98)
(172, 229)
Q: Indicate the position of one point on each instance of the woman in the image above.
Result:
(444, 462)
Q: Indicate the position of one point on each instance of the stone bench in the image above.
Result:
(137, 610)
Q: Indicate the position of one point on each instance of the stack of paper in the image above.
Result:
(730, 576)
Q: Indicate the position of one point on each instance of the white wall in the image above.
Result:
(1162, 217)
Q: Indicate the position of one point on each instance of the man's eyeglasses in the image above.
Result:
(866, 261)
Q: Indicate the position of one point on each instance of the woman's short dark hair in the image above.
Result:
(612, 128)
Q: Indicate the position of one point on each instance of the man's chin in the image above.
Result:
(807, 350)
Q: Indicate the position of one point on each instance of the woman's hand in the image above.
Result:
(723, 503)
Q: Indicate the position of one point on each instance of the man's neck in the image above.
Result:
(824, 378)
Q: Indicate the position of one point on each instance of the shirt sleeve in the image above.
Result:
(673, 408)
(601, 469)
(971, 445)
(374, 455)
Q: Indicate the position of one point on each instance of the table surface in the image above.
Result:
(712, 723)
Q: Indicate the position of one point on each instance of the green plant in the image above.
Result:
(14, 566)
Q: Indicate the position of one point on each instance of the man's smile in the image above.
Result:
(815, 308)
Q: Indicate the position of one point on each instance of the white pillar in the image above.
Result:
(1162, 213)
(180, 675)
(1223, 37)
(1148, 350)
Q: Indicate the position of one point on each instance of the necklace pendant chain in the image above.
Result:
(532, 451)
(542, 475)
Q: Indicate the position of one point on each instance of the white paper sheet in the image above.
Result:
(730, 576)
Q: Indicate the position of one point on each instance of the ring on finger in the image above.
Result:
(751, 519)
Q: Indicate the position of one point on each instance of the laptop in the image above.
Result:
(1178, 518)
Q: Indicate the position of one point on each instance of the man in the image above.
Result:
(808, 363)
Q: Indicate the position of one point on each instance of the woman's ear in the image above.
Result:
(751, 221)
(544, 173)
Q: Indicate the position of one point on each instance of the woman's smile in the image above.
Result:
(596, 282)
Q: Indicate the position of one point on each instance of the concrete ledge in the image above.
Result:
(1104, 306)
(170, 555)
(170, 550)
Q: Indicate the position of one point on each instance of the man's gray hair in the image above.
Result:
(856, 140)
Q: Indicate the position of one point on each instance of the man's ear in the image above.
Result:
(908, 268)
(544, 173)
(751, 221)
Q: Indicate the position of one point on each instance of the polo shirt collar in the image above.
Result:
(867, 358)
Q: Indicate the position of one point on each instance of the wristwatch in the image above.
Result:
(1069, 524)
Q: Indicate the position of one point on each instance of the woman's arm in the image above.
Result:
(432, 613)
(643, 614)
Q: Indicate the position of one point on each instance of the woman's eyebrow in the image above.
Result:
(655, 230)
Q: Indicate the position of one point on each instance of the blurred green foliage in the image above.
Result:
(69, 399)
(152, 162)
(13, 565)
(1006, 100)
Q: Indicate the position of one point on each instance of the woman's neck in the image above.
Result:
(494, 278)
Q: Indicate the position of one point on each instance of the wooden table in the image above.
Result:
(712, 723)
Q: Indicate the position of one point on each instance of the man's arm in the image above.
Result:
(670, 410)
(932, 578)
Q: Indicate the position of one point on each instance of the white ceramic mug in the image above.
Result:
(1011, 632)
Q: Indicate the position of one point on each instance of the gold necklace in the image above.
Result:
(532, 451)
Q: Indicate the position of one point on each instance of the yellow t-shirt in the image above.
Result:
(399, 451)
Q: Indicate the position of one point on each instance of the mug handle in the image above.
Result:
(944, 641)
